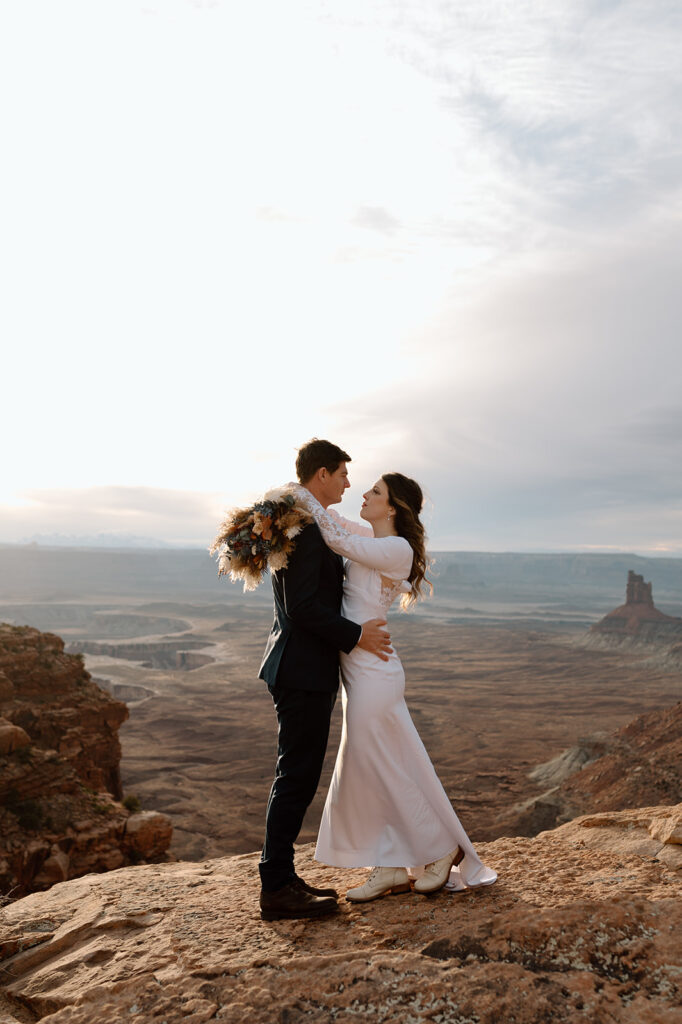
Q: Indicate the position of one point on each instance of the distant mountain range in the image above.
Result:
(584, 587)
(96, 540)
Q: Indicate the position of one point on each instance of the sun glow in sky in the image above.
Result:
(444, 236)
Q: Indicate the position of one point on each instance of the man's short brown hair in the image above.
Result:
(315, 454)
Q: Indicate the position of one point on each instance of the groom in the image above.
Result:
(301, 667)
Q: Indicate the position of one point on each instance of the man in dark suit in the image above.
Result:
(301, 667)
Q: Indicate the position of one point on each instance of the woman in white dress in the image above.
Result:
(386, 806)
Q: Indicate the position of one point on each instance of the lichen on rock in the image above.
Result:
(575, 930)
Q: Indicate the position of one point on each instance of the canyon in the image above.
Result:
(497, 690)
(561, 757)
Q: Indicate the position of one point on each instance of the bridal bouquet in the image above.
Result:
(261, 537)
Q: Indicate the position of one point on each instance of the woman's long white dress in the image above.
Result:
(386, 806)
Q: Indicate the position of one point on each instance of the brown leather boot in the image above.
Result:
(291, 901)
(314, 891)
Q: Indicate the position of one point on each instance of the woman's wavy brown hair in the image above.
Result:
(405, 495)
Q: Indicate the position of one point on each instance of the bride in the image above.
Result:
(386, 806)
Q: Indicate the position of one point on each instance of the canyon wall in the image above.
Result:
(61, 813)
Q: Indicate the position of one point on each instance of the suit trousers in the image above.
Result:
(303, 717)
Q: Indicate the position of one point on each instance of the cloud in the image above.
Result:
(376, 218)
(547, 412)
(575, 105)
(448, 239)
(163, 514)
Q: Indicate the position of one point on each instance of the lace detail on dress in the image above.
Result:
(359, 529)
(389, 591)
(331, 529)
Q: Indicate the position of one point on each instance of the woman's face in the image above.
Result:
(375, 505)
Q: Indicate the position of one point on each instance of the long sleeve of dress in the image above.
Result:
(360, 529)
(302, 494)
(391, 556)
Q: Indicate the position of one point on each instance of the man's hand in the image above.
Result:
(376, 639)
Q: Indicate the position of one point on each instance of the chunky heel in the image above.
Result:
(381, 882)
(437, 873)
(400, 888)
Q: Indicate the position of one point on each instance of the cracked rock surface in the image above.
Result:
(583, 925)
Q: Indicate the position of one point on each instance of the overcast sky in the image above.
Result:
(446, 236)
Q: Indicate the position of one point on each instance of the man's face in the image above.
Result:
(335, 484)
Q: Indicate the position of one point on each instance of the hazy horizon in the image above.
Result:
(141, 544)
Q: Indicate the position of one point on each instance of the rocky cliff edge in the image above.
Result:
(583, 925)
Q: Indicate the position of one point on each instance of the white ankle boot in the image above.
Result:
(437, 873)
(380, 882)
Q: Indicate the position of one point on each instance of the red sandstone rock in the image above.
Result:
(6, 688)
(59, 770)
(149, 833)
(641, 765)
(652, 832)
(579, 928)
(12, 737)
(638, 618)
(56, 702)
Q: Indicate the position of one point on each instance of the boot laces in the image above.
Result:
(436, 866)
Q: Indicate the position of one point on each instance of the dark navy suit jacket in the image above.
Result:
(308, 632)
